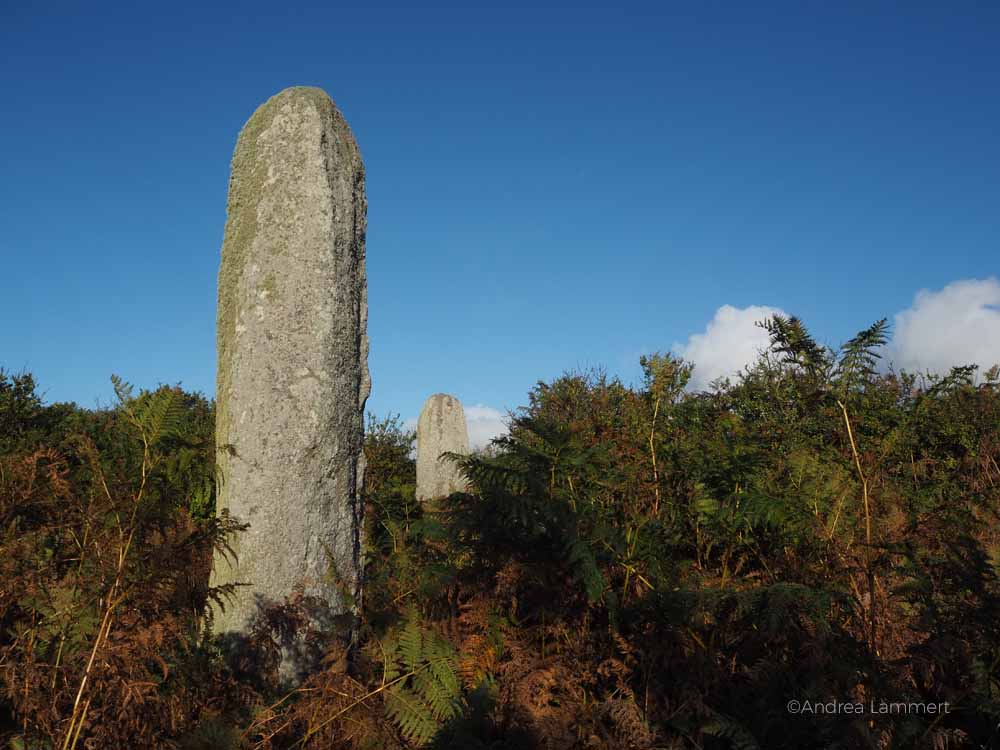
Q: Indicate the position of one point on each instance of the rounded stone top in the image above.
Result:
(441, 428)
(296, 101)
(312, 94)
(440, 397)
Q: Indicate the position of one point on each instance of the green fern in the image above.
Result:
(421, 670)
(859, 356)
(156, 415)
(411, 716)
(583, 563)
(488, 473)
(730, 731)
(791, 339)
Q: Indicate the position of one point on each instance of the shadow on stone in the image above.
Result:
(286, 641)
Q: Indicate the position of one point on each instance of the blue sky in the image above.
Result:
(549, 188)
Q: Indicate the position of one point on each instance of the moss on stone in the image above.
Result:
(246, 184)
(292, 299)
(269, 286)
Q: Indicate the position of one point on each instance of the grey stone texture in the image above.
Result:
(293, 375)
(441, 428)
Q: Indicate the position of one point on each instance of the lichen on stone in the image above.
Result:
(292, 299)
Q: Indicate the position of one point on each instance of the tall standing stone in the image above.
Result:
(440, 429)
(293, 359)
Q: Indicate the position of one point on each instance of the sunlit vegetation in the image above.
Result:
(633, 567)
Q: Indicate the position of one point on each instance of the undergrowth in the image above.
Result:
(632, 567)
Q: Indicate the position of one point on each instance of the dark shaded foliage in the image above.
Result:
(632, 567)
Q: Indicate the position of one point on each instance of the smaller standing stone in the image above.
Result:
(440, 429)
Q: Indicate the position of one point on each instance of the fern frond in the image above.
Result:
(421, 667)
(410, 715)
(411, 644)
(791, 339)
(160, 415)
(489, 474)
(859, 356)
(731, 731)
(584, 565)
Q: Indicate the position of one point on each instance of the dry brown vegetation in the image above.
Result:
(633, 568)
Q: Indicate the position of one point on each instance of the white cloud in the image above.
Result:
(485, 423)
(957, 325)
(731, 341)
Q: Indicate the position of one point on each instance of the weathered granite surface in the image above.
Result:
(441, 428)
(293, 358)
